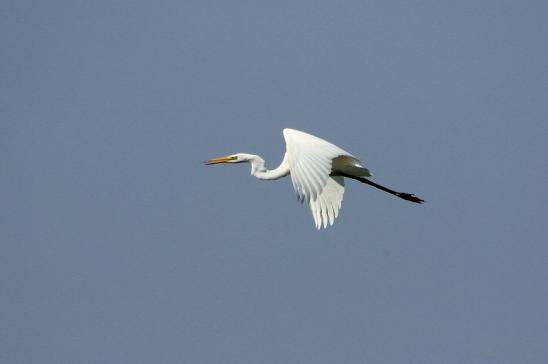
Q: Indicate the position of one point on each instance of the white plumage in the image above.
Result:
(311, 163)
(317, 169)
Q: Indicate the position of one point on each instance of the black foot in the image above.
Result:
(409, 197)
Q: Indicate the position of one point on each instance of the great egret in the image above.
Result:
(317, 170)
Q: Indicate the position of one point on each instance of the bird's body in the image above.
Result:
(317, 169)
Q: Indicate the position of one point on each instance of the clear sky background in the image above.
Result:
(119, 246)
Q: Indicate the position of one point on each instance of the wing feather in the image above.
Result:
(310, 162)
(325, 209)
(314, 173)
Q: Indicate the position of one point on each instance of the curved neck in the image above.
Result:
(259, 170)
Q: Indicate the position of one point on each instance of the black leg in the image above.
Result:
(402, 195)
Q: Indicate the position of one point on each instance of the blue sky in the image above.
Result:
(118, 245)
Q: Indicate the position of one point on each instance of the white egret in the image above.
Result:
(317, 170)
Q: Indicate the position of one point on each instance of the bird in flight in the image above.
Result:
(317, 169)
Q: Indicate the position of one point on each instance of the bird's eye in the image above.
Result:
(233, 158)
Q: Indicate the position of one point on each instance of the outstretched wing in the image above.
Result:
(310, 162)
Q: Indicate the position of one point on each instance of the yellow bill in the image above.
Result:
(218, 160)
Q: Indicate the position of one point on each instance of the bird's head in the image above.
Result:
(233, 158)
